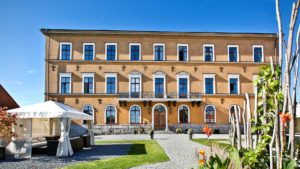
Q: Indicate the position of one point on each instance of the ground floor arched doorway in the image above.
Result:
(159, 117)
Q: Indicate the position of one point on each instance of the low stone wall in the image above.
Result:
(120, 129)
(197, 128)
(77, 130)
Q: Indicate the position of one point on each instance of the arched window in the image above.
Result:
(183, 114)
(135, 114)
(231, 111)
(88, 109)
(110, 114)
(210, 114)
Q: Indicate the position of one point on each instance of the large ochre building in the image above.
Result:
(161, 80)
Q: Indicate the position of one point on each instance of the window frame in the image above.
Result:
(183, 105)
(116, 114)
(213, 50)
(65, 75)
(214, 83)
(93, 114)
(116, 51)
(234, 76)
(262, 53)
(136, 75)
(83, 53)
(60, 50)
(84, 75)
(164, 51)
(140, 51)
(237, 53)
(140, 120)
(159, 76)
(215, 113)
(183, 76)
(115, 75)
(187, 51)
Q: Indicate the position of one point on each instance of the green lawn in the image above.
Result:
(141, 152)
(222, 142)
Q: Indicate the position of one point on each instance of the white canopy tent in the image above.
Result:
(52, 110)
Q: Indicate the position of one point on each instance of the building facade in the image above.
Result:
(161, 80)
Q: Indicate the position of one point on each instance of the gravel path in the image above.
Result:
(181, 151)
(97, 152)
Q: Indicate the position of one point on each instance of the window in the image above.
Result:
(65, 51)
(159, 84)
(210, 114)
(159, 87)
(111, 51)
(159, 52)
(234, 84)
(88, 83)
(110, 114)
(111, 83)
(135, 114)
(135, 83)
(89, 51)
(232, 111)
(209, 84)
(182, 52)
(208, 53)
(233, 53)
(88, 109)
(183, 114)
(258, 53)
(183, 84)
(135, 51)
(65, 83)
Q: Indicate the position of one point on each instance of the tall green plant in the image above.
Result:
(268, 86)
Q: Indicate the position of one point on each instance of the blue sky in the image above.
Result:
(22, 44)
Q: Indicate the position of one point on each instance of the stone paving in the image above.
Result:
(181, 151)
(97, 152)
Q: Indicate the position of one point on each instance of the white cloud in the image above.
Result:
(32, 71)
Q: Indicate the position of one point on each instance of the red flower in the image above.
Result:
(285, 118)
(208, 131)
(205, 129)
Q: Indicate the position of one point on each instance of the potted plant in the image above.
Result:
(178, 130)
(141, 130)
(190, 133)
(7, 121)
(151, 133)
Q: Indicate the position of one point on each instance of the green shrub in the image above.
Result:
(190, 131)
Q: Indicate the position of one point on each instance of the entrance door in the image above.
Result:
(159, 117)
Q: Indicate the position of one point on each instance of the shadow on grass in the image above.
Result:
(137, 149)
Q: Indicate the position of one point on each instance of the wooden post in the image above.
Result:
(249, 136)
